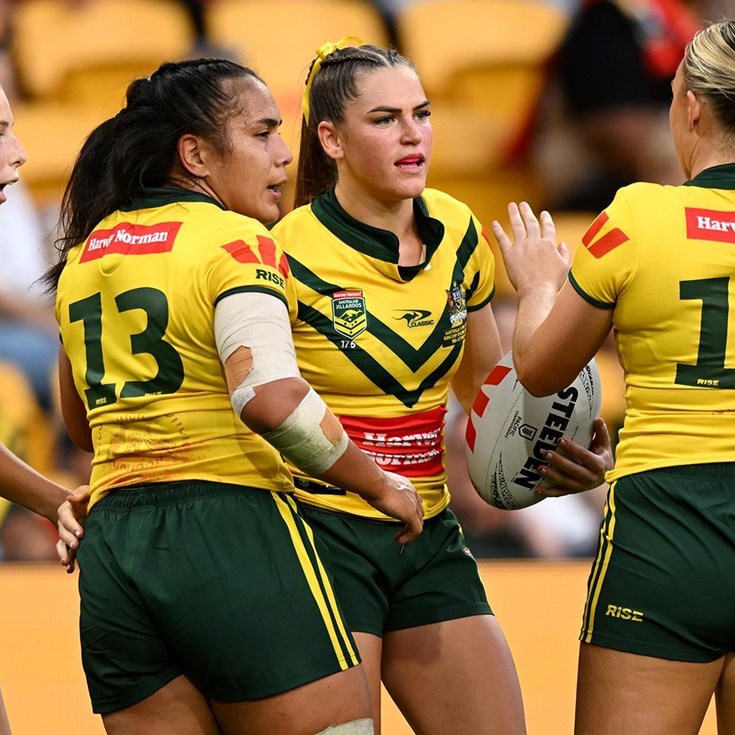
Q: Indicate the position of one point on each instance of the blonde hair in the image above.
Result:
(708, 70)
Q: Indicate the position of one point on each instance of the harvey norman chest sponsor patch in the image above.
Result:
(710, 224)
(129, 239)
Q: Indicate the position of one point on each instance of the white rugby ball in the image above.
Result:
(509, 430)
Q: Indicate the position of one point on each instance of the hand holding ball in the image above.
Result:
(509, 430)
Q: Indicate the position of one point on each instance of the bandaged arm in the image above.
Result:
(255, 345)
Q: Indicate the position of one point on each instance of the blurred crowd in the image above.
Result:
(596, 120)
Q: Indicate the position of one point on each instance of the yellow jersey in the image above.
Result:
(663, 259)
(135, 305)
(380, 342)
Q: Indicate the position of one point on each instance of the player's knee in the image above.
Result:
(356, 727)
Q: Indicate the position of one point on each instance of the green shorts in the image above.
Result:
(663, 582)
(383, 586)
(218, 582)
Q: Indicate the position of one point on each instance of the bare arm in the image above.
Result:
(72, 408)
(556, 334)
(254, 341)
(21, 484)
(482, 351)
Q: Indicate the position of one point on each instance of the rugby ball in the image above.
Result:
(509, 430)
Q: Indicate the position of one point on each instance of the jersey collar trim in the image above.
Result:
(163, 195)
(372, 241)
(716, 177)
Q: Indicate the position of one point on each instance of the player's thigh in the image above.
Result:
(178, 708)
(620, 692)
(306, 710)
(725, 697)
(455, 676)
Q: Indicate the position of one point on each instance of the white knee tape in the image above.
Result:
(356, 727)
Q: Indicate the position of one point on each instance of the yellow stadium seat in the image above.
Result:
(488, 56)
(88, 53)
(483, 65)
(278, 40)
(52, 134)
(444, 37)
(75, 62)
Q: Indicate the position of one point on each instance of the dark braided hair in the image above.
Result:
(137, 149)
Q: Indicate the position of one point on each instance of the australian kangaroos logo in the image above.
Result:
(349, 315)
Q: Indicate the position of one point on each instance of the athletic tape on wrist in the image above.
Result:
(302, 439)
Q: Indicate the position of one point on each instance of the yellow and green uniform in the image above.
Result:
(135, 306)
(663, 259)
(194, 542)
(380, 342)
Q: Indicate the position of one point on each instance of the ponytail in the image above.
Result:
(136, 150)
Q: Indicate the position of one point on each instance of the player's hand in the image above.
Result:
(72, 514)
(532, 257)
(576, 469)
(400, 500)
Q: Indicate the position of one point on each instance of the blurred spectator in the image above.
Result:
(28, 331)
(608, 112)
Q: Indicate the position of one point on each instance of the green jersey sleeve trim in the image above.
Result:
(251, 289)
(589, 299)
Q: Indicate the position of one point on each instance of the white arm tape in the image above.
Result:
(259, 322)
(301, 438)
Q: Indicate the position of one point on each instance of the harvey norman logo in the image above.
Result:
(710, 224)
(129, 239)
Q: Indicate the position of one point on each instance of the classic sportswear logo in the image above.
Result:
(129, 239)
(416, 318)
(710, 224)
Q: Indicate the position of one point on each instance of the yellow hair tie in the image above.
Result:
(321, 53)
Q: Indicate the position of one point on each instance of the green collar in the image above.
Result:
(716, 177)
(160, 196)
(372, 241)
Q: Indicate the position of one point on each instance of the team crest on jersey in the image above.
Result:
(457, 315)
(349, 315)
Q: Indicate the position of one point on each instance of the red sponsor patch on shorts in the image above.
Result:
(129, 239)
(710, 224)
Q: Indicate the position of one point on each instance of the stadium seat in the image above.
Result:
(89, 52)
(279, 39)
(483, 65)
(52, 133)
(490, 53)
(74, 63)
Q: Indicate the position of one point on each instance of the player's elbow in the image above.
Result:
(538, 380)
(272, 403)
